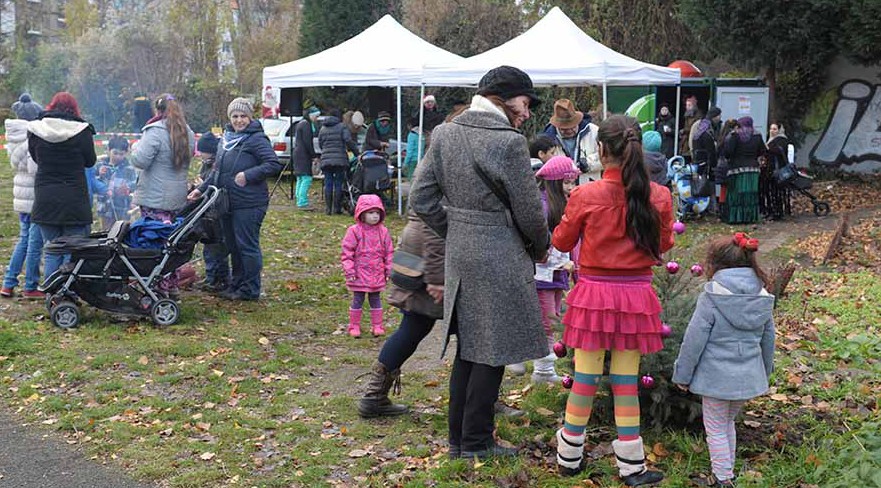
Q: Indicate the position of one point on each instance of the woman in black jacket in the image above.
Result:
(62, 145)
(245, 160)
(743, 150)
(335, 141)
(775, 201)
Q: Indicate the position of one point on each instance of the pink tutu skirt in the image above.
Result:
(613, 312)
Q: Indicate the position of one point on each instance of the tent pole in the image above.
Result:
(421, 121)
(676, 134)
(605, 101)
(400, 198)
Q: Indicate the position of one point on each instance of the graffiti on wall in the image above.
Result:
(853, 133)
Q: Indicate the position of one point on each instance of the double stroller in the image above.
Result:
(368, 175)
(110, 275)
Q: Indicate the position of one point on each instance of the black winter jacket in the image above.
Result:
(744, 154)
(334, 139)
(63, 147)
(253, 155)
(304, 153)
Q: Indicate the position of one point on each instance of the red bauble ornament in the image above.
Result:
(560, 349)
(666, 330)
(567, 381)
(672, 267)
(697, 270)
(679, 227)
(647, 381)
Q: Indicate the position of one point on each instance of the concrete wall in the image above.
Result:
(853, 139)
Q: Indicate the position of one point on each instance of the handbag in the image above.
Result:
(407, 270)
(784, 174)
(221, 204)
(701, 185)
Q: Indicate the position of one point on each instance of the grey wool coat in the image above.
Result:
(490, 300)
(728, 348)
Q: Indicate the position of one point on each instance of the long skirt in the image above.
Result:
(742, 199)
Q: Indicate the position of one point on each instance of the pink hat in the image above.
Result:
(558, 168)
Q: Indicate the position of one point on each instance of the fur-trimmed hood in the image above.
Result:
(55, 128)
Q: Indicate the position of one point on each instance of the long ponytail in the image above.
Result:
(176, 124)
(622, 138)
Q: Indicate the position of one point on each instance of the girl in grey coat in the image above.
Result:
(727, 354)
(475, 188)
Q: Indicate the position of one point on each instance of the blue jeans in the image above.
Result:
(241, 231)
(51, 232)
(27, 253)
(216, 263)
(333, 180)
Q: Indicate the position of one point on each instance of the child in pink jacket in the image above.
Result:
(367, 262)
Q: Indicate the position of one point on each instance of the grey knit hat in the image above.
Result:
(240, 105)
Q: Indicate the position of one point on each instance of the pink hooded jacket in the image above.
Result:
(367, 249)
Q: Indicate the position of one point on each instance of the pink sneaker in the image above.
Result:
(6, 292)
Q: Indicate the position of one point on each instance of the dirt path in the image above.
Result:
(774, 235)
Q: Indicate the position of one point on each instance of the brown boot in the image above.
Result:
(375, 402)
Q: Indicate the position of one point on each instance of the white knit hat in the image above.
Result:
(242, 105)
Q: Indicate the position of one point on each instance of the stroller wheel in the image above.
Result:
(165, 312)
(65, 315)
(821, 209)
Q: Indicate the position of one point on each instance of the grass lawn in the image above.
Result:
(263, 394)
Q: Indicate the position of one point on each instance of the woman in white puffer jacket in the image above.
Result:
(29, 249)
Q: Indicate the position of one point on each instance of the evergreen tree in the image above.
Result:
(326, 24)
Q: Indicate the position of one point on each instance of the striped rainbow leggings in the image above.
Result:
(719, 418)
(623, 373)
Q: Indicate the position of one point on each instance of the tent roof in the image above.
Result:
(355, 62)
(554, 51)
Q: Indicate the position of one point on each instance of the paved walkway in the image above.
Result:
(29, 460)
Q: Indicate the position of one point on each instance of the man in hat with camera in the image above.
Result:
(578, 138)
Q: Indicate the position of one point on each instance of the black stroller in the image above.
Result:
(797, 180)
(111, 276)
(368, 175)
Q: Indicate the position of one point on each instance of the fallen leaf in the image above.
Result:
(659, 450)
(207, 456)
(217, 372)
(263, 341)
(358, 453)
(779, 397)
(292, 285)
(143, 360)
(430, 384)
(544, 411)
(752, 423)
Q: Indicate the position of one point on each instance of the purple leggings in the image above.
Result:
(372, 298)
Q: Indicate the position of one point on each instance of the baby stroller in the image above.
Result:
(683, 175)
(368, 175)
(797, 180)
(111, 276)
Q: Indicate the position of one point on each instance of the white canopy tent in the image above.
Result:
(554, 52)
(352, 64)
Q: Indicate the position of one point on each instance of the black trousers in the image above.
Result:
(474, 389)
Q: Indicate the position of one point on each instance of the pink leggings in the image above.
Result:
(551, 303)
(719, 418)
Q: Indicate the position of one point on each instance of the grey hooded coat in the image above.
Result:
(728, 349)
(160, 184)
(490, 300)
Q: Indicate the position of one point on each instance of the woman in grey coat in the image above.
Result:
(162, 158)
(727, 354)
(476, 189)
